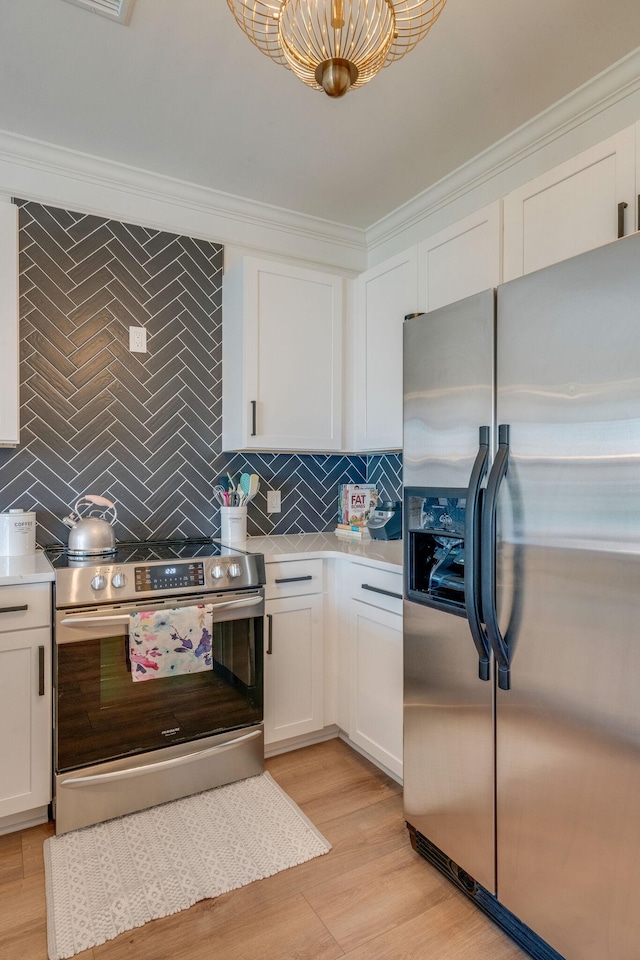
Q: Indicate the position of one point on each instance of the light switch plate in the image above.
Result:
(273, 501)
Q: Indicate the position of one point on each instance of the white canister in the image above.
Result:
(233, 524)
(17, 534)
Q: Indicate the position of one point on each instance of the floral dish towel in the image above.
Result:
(165, 643)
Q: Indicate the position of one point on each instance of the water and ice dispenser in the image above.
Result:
(435, 547)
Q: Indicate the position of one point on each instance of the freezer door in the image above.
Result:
(448, 741)
(568, 572)
(448, 390)
(448, 713)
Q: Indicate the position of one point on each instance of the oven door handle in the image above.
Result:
(125, 617)
(161, 764)
(119, 618)
(240, 602)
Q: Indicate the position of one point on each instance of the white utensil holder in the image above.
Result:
(233, 524)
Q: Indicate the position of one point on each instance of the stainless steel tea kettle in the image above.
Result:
(91, 525)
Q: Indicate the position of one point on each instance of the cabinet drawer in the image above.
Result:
(378, 588)
(25, 605)
(292, 578)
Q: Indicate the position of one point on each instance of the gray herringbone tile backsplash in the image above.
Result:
(141, 429)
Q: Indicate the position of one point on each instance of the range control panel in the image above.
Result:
(173, 576)
(116, 582)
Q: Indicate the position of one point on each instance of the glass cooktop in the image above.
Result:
(144, 551)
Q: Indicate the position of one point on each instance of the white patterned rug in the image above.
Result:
(112, 877)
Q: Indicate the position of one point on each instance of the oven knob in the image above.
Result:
(217, 572)
(119, 580)
(234, 570)
(99, 582)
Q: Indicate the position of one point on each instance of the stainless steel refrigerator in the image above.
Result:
(522, 601)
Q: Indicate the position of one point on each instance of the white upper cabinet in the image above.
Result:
(461, 260)
(281, 358)
(384, 296)
(572, 208)
(9, 350)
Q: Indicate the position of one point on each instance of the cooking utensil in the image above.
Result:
(91, 525)
(244, 487)
(254, 486)
(221, 495)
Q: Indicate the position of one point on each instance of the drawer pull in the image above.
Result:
(24, 606)
(270, 633)
(41, 671)
(387, 593)
(293, 579)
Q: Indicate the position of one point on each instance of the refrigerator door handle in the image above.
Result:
(498, 643)
(472, 555)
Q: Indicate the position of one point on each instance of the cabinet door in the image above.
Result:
(282, 358)
(461, 260)
(375, 701)
(384, 296)
(293, 673)
(9, 422)
(572, 208)
(25, 720)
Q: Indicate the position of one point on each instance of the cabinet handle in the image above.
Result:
(270, 633)
(254, 406)
(639, 211)
(387, 593)
(621, 209)
(41, 671)
(293, 579)
(24, 606)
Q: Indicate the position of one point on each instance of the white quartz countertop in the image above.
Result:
(32, 569)
(384, 553)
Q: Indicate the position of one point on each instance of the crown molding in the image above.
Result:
(34, 170)
(601, 93)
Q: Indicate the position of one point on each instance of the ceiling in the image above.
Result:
(181, 91)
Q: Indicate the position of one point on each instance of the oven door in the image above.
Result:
(101, 714)
(122, 746)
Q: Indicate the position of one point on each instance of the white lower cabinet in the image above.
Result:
(25, 699)
(293, 658)
(375, 664)
(353, 677)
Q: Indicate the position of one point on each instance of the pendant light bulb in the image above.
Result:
(336, 76)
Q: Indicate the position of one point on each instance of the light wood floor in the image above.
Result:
(370, 898)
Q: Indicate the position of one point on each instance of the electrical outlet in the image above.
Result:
(137, 339)
(273, 501)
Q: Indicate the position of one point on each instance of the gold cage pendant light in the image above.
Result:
(336, 45)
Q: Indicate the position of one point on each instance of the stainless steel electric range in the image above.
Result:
(122, 745)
